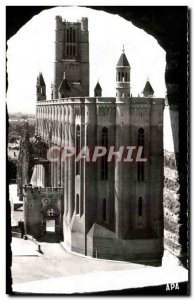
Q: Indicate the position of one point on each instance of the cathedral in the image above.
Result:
(108, 208)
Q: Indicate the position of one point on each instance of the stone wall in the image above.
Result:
(103, 243)
(171, 200)
(37, 202)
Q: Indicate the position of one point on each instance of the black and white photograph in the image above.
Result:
(97, 143)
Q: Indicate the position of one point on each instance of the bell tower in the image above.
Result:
(123, 77)
(72, 56)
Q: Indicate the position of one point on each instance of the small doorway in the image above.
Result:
(51, 224)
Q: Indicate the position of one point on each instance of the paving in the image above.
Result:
(22, 247)
(55, 262)
(104, 281)
(57, 271)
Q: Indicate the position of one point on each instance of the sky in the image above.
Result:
(31, 51)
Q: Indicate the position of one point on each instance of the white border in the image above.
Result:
(3, 5)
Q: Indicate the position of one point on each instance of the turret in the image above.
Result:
(98, 90)
(25, 132)
(123, 77)
(64, 88)
(40, 88)
(84, 24)
(148, 90)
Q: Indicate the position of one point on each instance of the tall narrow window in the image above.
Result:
(140, 165)
(86, 136)
(73, 35)
(73, 50)
(104, 210)
(77, 166)
(140, 206)
(67, 35)
(125, 76)
(104, 162)
(77, 204)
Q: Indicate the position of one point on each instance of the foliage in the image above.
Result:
(16, 125)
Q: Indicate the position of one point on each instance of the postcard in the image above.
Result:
(98, 150)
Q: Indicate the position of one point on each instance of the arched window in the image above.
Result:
(67, 50)
(73, 50)
(141, 137)
(104, 162)
(77, 166)
(125, 76)
(70, 50)
(140, 165)
(73, 35)
(140, 206)
(67, 35)
(77, 204)
(50, 212)
(104, 210)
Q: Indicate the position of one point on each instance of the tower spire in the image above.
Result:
(64, 88)
(123, 76)
(40, 88)
(123, 48)
(98, 90)
(148, 90)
